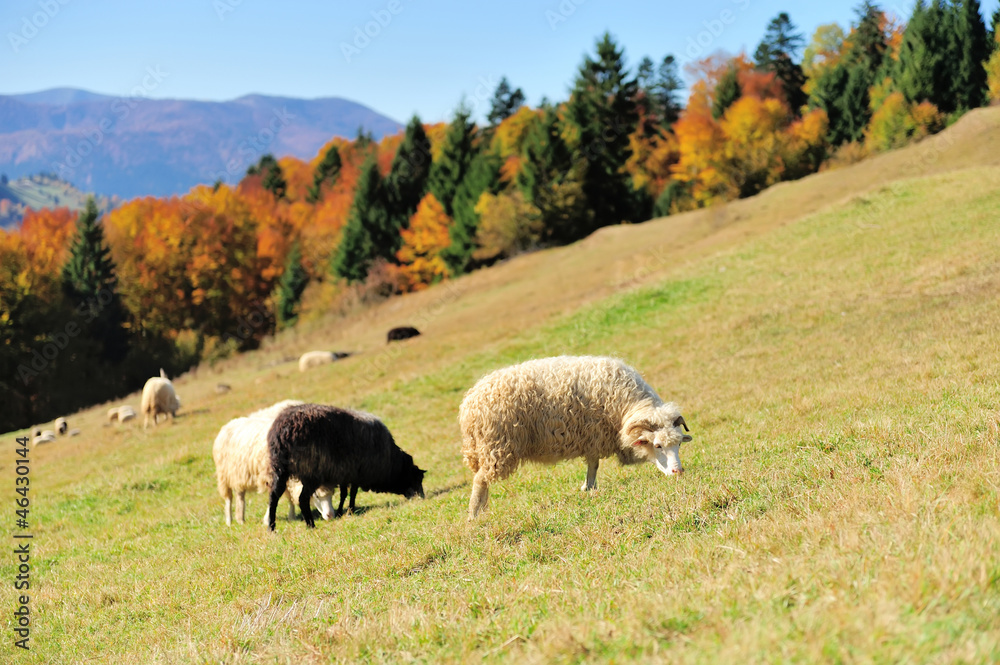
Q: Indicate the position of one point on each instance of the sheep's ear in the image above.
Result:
(686, 438)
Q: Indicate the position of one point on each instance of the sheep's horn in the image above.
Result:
(680, 421)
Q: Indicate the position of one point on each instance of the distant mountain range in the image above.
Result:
(136, 146)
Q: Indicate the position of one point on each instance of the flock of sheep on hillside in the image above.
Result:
(543, 410)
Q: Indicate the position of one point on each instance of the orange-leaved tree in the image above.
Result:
(420, 256)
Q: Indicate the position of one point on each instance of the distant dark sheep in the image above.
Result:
(328, 446)
(405, 332)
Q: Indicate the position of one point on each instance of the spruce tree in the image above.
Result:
(506, 101)
(727, 91)
(448, 171)
(406, 183)
(326, 174)
(272, 178)
(90, 284)
(777, 53)
(923, 71)
(291, 285)
(971, 49)
(551, 179)
(603, 112)
(369, 233)
(483, 176)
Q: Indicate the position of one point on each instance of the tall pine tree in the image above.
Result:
(406, 183)
(326, 174)
(551, 179)
(777, 53)
(291, 285)
(506, 101)
(369, 232)
(603, 112)
(456, 155)
(971, 49)
(483, 176)
(90, 283)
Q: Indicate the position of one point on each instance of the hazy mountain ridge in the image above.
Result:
(135, 146)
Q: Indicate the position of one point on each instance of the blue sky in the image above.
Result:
(422, 58)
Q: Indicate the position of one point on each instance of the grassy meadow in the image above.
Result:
(832, 342)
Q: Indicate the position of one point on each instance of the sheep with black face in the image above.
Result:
(327, 446)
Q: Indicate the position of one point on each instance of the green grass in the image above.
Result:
(841, 501)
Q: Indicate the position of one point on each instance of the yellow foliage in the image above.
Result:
(423, 242)
(895, 122)
(993, 75)
(507, 225)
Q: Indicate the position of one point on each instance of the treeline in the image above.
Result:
(169, 282)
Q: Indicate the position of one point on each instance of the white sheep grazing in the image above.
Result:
(44, 436)
(312, 359)
(61, 426)
(561, 408)
(158, 397)
(36, 431)
(126, 413)
(242, 463)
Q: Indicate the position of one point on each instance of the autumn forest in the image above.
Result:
(105, 301)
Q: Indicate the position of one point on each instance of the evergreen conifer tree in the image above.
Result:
(727, 91)
(90, 283)
(603, 112)
(483, 176)
(506, 101)
(369, 232)
(293, 282)
(326, 173)
(406, 183)
(447, 172)
(971, 49)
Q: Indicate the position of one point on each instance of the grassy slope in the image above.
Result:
(837, 364)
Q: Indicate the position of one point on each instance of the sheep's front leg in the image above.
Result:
(277, 489)
(591, 482)
(229, 507)
(343, 498)
(354, 495)
(304, 506)
(480, 494)
(240, 506)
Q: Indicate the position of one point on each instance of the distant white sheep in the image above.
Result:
(158, 397)
(121, 414)
(44, 436)
(561, 408)
(242, 463)
(311, 359)
(61, 426)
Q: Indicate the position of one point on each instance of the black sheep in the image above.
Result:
(405, 332)
(325, 445)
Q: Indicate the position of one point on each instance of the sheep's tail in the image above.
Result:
(470, 455)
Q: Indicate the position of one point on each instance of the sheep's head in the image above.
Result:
(657, 433)
(408, 478)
